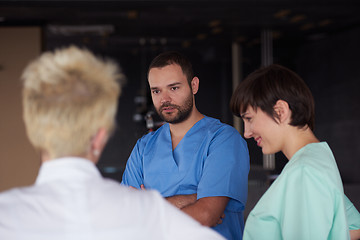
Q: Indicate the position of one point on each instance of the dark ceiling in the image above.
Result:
(185, 21)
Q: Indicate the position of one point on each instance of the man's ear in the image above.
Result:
(283, 111)
(195, 85)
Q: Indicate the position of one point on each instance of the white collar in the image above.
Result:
(67, 168)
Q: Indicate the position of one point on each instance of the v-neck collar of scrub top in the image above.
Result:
(188, 142)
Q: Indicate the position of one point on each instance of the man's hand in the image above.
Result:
(142, 187)
(355, 234)
(221, 219)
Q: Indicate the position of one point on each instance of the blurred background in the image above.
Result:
(225, 40)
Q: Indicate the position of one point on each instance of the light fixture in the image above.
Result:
(69, 30)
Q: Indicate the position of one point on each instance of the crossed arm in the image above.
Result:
(208, 210)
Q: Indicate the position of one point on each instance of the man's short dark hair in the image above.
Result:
(265, 86)
(172, 57)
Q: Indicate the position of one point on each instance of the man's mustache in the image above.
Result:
(165, 105)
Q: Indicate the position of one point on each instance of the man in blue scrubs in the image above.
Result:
(196, 162)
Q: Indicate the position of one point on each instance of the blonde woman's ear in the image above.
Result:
(98, 143)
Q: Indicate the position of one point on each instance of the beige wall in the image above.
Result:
(19, 163)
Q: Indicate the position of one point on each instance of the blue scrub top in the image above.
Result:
(211, 160)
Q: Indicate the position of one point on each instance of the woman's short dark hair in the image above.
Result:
(265, 86)
(172, 57)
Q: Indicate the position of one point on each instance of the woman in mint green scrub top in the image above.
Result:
(307, 200)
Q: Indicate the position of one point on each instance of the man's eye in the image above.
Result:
(174, 88)
(155, 91)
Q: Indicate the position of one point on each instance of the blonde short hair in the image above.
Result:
(68, 95)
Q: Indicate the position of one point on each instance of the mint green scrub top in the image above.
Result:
(305, 202)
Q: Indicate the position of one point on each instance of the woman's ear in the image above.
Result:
(283, 111)
(98, 142)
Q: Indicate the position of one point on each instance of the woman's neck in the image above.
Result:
(297, 139)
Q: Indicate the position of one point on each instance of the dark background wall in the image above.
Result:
(333, 74)
(317, 39)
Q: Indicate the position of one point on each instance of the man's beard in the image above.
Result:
(183, 113)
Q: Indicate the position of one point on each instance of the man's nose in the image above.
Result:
(165, 98)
